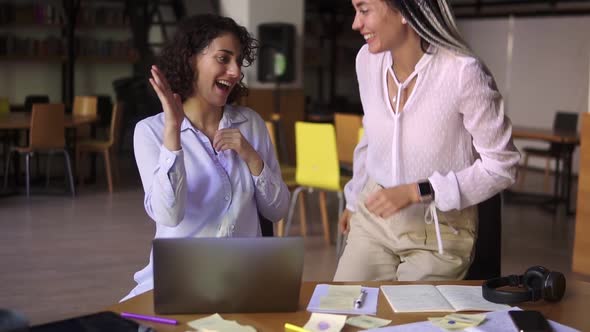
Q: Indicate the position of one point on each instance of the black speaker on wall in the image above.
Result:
(276, 60)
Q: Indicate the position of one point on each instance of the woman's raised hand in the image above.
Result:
(173, 110)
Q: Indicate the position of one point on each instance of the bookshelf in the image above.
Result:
(91, 17)
(65, 33)
(330, 48)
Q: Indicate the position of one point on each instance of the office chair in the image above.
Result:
(47, 135)
(266, 226)
(565, 122)
(487, 261)
(317, 168)
(35, 99)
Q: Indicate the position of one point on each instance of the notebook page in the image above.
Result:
(340, 297)
(416, 298)
(321, 291)
(464, 298)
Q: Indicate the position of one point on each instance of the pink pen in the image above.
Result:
(149, 318)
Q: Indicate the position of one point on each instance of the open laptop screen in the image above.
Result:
(209, 275)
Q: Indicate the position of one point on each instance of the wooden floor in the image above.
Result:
(61, 257)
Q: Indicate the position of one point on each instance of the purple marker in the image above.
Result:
(149, 318)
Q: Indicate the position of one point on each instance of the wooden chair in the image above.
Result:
(84, 106)
(106, 148)
(563, 122)
(347, 125)
(47, 135)
(317, 169)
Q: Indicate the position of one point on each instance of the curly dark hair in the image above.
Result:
(192, 36)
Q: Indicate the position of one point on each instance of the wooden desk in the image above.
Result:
(547, 135)
(570, 311)
(20, 121)
(555, 136)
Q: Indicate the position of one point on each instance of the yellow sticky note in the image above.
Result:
(294, 328)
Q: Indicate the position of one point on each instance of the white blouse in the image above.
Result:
(452, 130)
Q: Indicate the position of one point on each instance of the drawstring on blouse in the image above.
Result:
(430, 215)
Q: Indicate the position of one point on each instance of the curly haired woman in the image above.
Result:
(207, 167)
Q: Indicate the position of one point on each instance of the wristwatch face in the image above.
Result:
(425, 189)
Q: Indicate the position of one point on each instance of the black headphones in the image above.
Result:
(539, 283)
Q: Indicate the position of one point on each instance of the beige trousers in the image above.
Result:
(404, 246)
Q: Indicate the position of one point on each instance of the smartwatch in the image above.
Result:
(425, 191)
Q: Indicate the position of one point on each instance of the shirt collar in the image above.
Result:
(424, 60)
(426, 57)
(230, 117)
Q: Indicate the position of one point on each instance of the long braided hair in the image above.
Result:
(434, 22)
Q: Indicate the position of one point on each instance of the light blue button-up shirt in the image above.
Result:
(195, 192)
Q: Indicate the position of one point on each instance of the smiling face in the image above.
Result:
(380, 25)
(218, 69)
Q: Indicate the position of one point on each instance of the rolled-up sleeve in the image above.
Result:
(482, 108)
(163, 177)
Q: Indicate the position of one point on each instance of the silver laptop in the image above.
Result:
(209, 275)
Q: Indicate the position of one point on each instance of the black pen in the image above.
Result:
(359, 302)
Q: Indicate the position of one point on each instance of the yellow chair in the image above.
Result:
(288, 175)
(361, 133)
(4, 105)
(47, 135)
(317, 169)
(107, 148)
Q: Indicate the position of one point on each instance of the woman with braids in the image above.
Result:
(436, 143)
(207, 167)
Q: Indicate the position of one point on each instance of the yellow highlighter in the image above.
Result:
(294, 328)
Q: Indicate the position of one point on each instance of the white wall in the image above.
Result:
(239, 10)
(251, 13)
(489, 40)
(548, 70)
